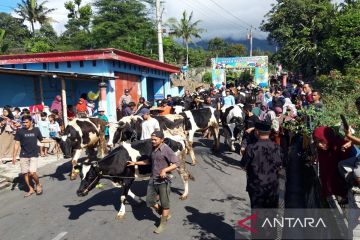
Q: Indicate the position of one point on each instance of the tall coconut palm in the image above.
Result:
(185, 29)
(32, 11)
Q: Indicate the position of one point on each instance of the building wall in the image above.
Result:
(17, 91)
(147, 77)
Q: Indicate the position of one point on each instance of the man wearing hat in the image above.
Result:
(125, 100)
(163, 161)
(102, 116)
(149, 125)
(262, 161)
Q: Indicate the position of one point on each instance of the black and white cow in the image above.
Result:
(114, 167)
(233, 122)
(129, 127)
(199, 120)
(83, 133)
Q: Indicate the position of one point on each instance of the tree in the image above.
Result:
(14, 33)
(172, 51)
(124, 24)
(218, 46)
(44, 40)
(78, 32)
(300, 27)
(33, 12)
(79, 16)
(235, 50)
(343, 45)
(185, 29)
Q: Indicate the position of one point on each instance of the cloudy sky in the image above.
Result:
(225, 18)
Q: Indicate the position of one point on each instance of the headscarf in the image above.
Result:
(81, 107)
(56, 104)
(290, 105)
(263, 112)
(331, 181)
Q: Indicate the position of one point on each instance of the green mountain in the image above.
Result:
(261, 44)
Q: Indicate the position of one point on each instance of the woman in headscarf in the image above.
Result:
(330, 153)
(56, 104)
(7, 129)
(263, 111)
(81, 108)
(289, 105)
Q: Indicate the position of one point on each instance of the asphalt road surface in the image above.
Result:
(217, 200)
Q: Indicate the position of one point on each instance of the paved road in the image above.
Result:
(217, 200)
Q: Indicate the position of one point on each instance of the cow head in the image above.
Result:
(129, 129)
(89, 173)
(69, 140)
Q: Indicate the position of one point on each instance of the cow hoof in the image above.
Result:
(183, 197)
(120, 217)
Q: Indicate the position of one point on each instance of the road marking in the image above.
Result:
(59, 236)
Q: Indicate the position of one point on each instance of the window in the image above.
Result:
(125, 65)
(12, 65)
(94, 63)
(81, 63)
(113, 63)
(56, 65)
(68, 64)
(24, 66)
(119, 64)
(130, 66)
(44, 66)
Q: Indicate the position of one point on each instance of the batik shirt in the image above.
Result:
(262, 161)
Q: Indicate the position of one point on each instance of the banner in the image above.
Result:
(259, 63)
(218, 77)
(261, 76)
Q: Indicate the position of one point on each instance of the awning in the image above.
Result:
(54, 74)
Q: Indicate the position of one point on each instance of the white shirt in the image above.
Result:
(148, 127)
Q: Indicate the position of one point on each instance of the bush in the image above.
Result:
(339, 93)
(207, 78)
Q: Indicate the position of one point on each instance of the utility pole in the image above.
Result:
(160, 30)
(251, 40)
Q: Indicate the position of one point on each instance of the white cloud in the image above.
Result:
(216, 20)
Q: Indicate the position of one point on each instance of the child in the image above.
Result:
(54, 131)
(44, 125)
(101, 115)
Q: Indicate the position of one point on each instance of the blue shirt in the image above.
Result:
(44, 127)
(229, 100)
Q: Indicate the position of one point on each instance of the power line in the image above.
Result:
(230, 13)
(201, 8)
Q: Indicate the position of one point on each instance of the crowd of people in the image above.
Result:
(264, 143)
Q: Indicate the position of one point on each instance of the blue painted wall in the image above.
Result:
(19, 90)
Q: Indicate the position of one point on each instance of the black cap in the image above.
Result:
(158, 134)
(263, 126)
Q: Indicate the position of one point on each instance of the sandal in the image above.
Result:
(39, 190)
(28, 194)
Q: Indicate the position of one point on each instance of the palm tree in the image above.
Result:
(185, 29)
(33, 12)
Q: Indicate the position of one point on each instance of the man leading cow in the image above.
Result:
(163, 161)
